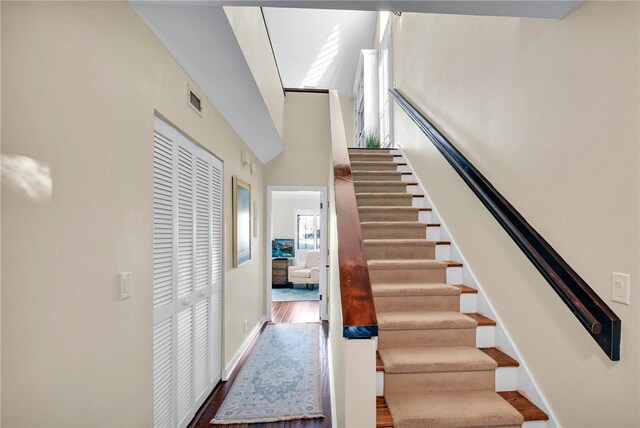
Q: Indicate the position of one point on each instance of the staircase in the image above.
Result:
(437, 365)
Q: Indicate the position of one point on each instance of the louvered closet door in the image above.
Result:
(187, 276)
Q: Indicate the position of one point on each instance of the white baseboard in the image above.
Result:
(243, 348)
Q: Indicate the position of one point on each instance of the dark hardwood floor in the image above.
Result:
(294, 312)
(282, 312)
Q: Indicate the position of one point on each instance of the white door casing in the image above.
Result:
(323, 288)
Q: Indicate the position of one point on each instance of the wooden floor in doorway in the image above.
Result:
(295, 312)
(287, 312)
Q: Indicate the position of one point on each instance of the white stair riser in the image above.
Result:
(418, 203)
(425, 217)
(413, 189)
(468, 303)
(486, 336)
(433, 233)
(379, 384)
(454, 275)
(535, 424)
(443, 252)
(408, 177)
(507, 379)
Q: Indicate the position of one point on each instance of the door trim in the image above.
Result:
(324, 315)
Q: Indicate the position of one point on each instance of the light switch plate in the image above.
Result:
(620, 288)
(125, 285)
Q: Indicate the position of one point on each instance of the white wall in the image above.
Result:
(80, 90)
(348, 114)
(284, 219)
(319, 48)
(371, 92)
(250, 30)
(307, 141)
(284, 215)
(549, 112)
(200, 37)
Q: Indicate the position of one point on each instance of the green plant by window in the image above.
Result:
(371, 141)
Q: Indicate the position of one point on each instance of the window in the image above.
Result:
(359, 113)
(386, 83)
(308, 231)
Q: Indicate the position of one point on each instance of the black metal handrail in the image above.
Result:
(592, 312)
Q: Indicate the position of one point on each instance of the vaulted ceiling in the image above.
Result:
(200, 37)
(319, 48)
(316, 45)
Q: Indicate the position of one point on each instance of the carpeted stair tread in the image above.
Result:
(393, 224)
(418, 289)
(381, 182)
(369, 149)
(354, 157)
(387, 208)
(383, 199)
(424, 320)
(455, 409)
(403, 242)
(378, 173)
(369, 163)
(435, 359)
(380, 194)
(371, 153)
(405, 264)
(387, 196)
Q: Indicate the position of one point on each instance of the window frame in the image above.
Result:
(316, 227)
(385, 105)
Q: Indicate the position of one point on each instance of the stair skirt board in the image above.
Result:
(430, 331)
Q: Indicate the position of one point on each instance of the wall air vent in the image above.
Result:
(194, 101)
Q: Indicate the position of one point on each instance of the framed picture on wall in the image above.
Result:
(241, 221)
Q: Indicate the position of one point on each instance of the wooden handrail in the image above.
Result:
(592, 312)
(358, 312)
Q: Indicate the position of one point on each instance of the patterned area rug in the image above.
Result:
(279, 381)
(293, 294)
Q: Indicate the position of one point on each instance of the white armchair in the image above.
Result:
(308, 274)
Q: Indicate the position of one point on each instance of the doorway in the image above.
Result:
(296, 254)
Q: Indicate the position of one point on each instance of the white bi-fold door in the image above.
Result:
(187, 276)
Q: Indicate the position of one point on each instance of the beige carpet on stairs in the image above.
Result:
(434, 374)
(456, 409)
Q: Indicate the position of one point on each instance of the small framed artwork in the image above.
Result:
(241, 222)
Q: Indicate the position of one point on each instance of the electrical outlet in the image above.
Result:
(620, 288)
(245, 326)
(125, 285)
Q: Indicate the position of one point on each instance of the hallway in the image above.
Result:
(282, 312)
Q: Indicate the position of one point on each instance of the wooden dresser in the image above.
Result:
(280, 272)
